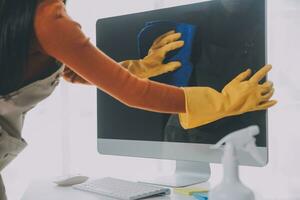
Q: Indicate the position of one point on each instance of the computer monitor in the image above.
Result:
(230, 37)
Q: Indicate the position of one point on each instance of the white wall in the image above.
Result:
(61, 131)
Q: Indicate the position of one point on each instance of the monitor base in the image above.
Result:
(186, 174)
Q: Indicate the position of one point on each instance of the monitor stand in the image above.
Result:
(186, 174)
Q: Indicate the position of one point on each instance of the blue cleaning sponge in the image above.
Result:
(154, 29)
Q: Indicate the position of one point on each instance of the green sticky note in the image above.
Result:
(190, 191)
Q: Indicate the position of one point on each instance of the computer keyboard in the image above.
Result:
(121, 189)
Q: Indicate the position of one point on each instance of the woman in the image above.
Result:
(37, 37)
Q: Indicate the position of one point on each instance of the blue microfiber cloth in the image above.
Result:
(153, 30)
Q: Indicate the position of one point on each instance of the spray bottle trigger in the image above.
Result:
(252, 150)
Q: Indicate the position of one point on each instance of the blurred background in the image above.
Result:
(61, 131)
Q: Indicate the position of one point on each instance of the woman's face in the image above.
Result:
(236, 6)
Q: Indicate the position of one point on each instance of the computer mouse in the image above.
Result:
(70, 180)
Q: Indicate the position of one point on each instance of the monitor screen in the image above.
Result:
(230, 37)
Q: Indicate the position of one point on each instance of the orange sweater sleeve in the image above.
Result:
(62, 38)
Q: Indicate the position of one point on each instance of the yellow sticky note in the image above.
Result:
(189, 191)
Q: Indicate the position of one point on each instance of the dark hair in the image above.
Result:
(16, 34)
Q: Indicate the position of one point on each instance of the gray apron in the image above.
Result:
(13, 108)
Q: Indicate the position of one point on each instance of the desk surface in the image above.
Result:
(48, 191)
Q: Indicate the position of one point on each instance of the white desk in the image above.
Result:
(45, 190)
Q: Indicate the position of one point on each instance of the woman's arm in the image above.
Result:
(63, 39)
(71, 77)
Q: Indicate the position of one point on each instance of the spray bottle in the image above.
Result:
(231, 187)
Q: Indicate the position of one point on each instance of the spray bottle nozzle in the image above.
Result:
(243, 140)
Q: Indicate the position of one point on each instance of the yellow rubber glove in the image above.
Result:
(152, 65)
(205, 105)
